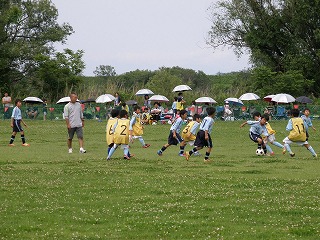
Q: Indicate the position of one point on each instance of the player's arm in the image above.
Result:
(244, 123)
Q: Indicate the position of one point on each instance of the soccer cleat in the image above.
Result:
(292, 154)
(181, 154)
(82, 151)
(146, 146)
(272, 154)
(159, 153)
(11, 145)
(26, 144)
(70, 150)
(126, 157)
(108, 159)
(187, 155)
(284, 151)
(316, 155)
(206, 160)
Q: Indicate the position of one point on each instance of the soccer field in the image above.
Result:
(47, 193)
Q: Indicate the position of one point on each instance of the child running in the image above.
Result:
(112, 121)
(257, 129)
(306, 118)
(203, 138)
(121, 135)
(189, 133)
(271, 138)
(297, 134)
(174, 135)
(136, 128)
(16, 120)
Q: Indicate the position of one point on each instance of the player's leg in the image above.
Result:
(310, 148)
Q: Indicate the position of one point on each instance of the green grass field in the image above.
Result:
(47, 193)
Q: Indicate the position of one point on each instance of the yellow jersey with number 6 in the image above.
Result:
(121, 132)
(109, 130)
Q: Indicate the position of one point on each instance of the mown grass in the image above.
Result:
(47, 193)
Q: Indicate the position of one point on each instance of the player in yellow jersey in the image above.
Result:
(136, 127)
(189, 133)
(112, 122)
(121, 135)
(297, 134)
(271, 138)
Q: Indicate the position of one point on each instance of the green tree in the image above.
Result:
(283, 35)
(163, 82)
(105, 71)
(28, 29)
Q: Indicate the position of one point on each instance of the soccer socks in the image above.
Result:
(206, 157)
(162, 149)
(142, 141)
(259, 146)
(181, 149)
(193, 151)
(112, 150)
(23, 139)
(278, 144)
(12, 139)
(126, 152)
(312, 151)
(287, 146)
(269, 149)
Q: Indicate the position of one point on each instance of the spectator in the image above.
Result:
(6, 101)
(117, 100)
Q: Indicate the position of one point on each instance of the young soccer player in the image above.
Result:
(271, 138)
(306, 118)
(189, 133)
(136, 128)
(112, 121)
(257, 129)
(121, 135)
(203, 138)
(297, 134)
(174, 135)
(16, 120)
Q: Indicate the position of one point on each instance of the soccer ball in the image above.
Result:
(260, 152)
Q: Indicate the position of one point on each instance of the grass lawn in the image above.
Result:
(47, 193)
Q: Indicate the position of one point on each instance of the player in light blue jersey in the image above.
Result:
(306, 118)
(174, 135)
(203, 138)
(258, 128)
(16, 120)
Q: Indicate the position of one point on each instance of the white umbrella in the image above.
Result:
(249, 96)
(283, 98)
(32, 100)
(105, 98)
(144, 91)
(65, 100)
(234, 101)
(205, 100)
(268, 97)
(159, 98)
(181, 88)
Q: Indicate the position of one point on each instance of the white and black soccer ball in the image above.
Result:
(260, 152)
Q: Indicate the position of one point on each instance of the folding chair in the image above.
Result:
(281, 113)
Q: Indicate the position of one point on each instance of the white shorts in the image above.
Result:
(271, 138)
(288, 141)
(191, 143)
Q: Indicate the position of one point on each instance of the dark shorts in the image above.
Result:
(77, 130)
(201, 141)
(174, 141)
(17, 126)
(254, 137)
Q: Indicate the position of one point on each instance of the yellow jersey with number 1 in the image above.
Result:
(298, 132)
(121, 132)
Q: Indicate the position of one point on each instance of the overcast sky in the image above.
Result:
(145, 35)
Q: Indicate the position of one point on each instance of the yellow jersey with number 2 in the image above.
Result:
(121, 132)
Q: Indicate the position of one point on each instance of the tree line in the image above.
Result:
(281, 36)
